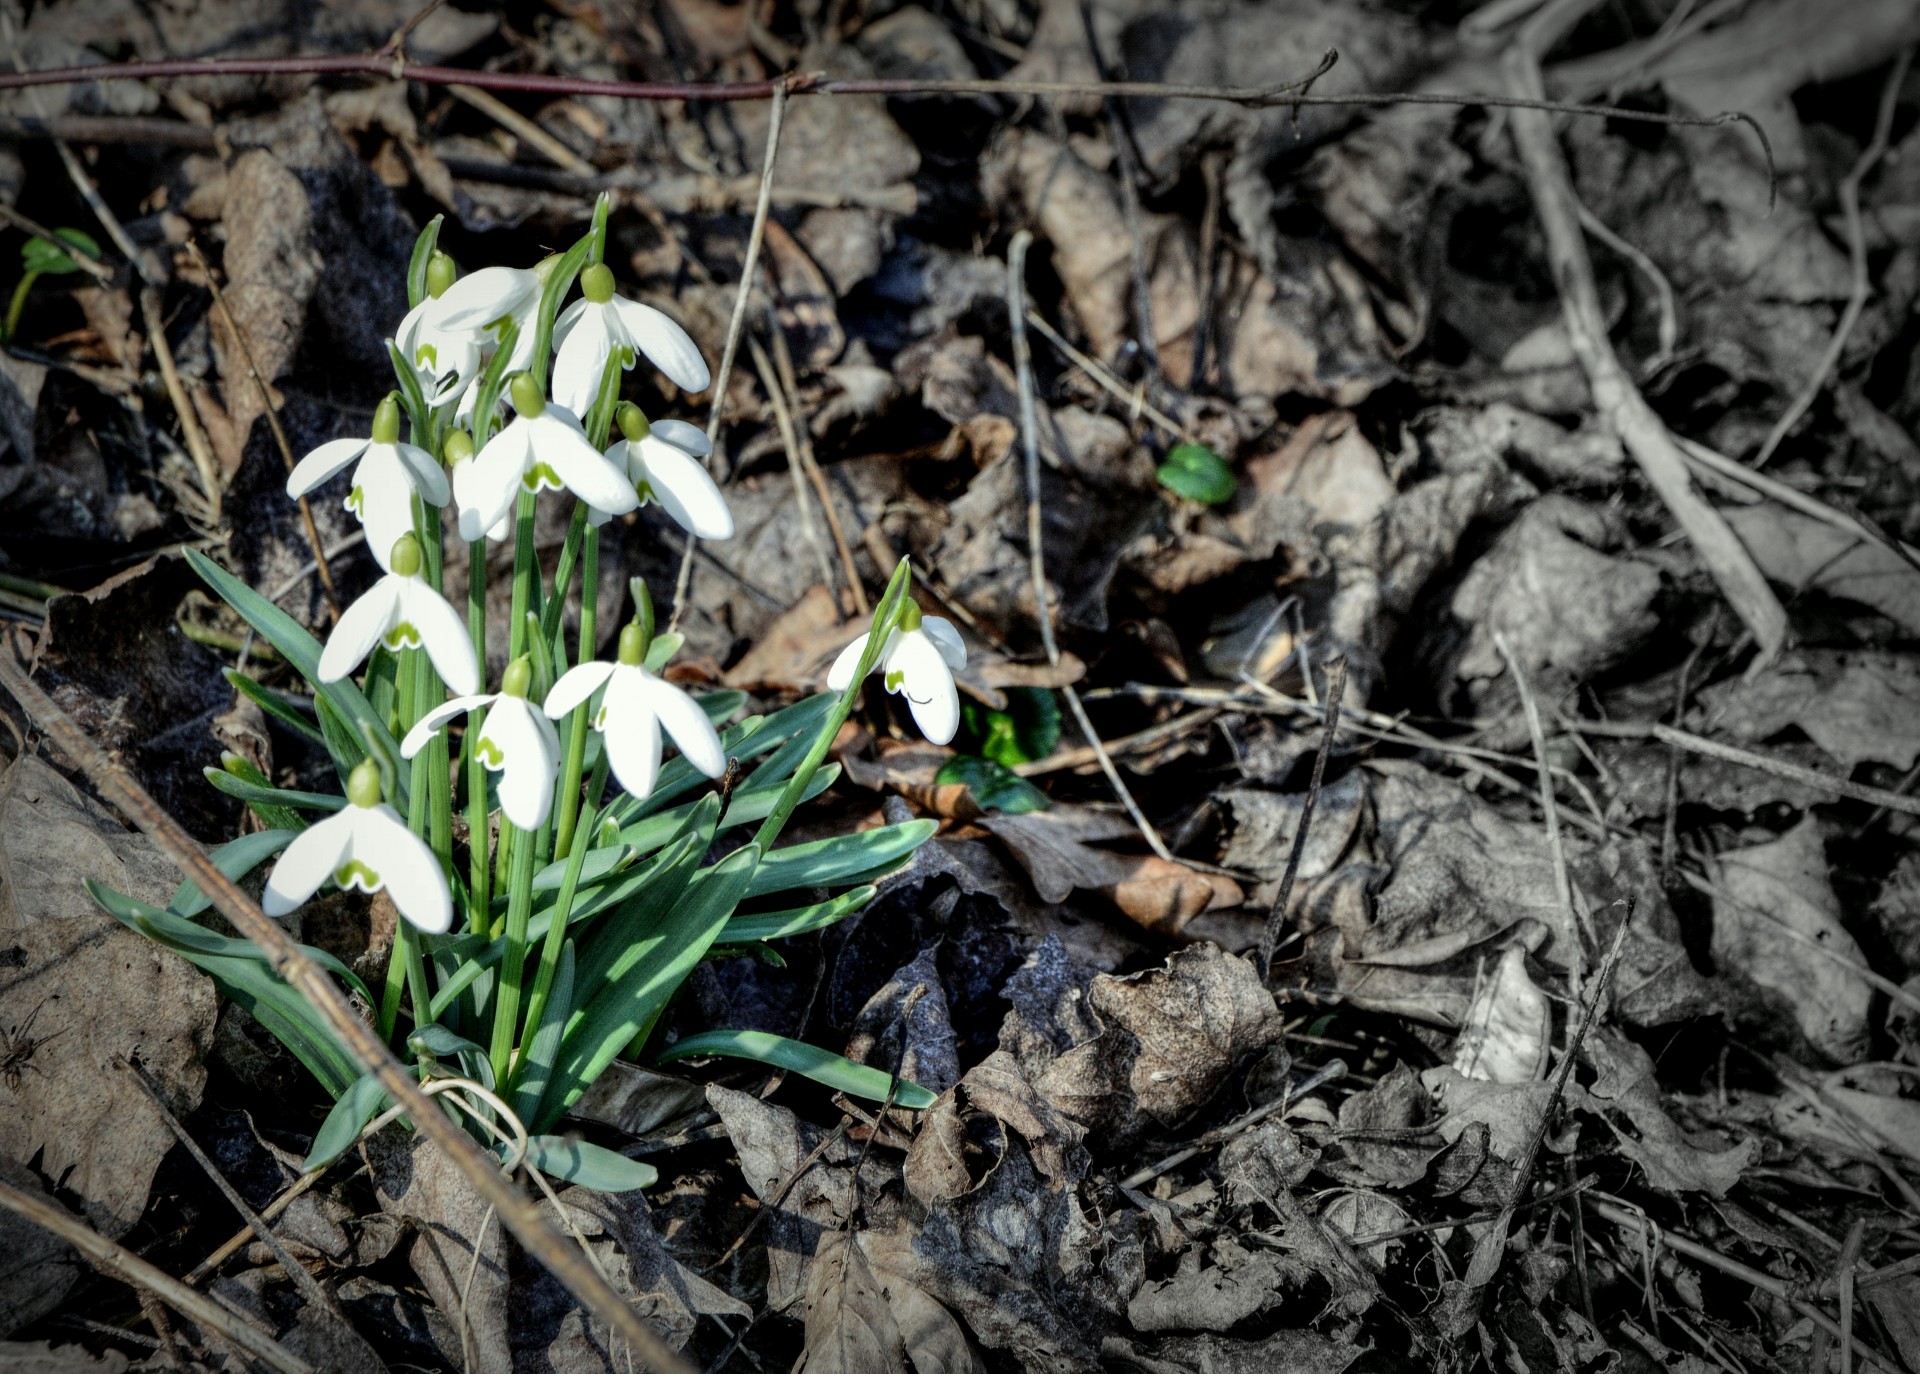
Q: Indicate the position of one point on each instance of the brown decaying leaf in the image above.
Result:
(1858, 706)
(1057, 848)
(850, 1326)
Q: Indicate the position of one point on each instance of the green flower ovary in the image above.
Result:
(405, 635)
(353, 874)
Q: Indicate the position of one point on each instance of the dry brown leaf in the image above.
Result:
(1859, 706)
(1509, 1027)
(794, 650)
(92, 996)
(1674, 1161)
(850, 1326)
(1056, 847)
(1806, 554)
(1770, 902)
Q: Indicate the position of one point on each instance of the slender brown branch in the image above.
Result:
(568, 1264)
(1336, 689)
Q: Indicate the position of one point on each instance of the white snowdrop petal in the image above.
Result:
(480, 298)
(946, 639)
(689, 726)
(323, 463)
(584, 469)
(307, 862)
(430, 724)
(575, 686)
(443, 634)
(683, 436)
(486, 485)
(666, 345)
(526, 778)
(925, 681)
(428, 477)
(841, 673)
(632, 739)
(578, 365)
(683, 487)
(406, 865)
(565, 323)
(360, 628)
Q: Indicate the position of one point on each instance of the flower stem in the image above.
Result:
(506, 1006)
(479, 871)
(525, 570)
(563, 577)
(17, 305)
(577, 737)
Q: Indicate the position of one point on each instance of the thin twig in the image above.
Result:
(524, 129)
(803, 446)
(190, 429)
(272, 1213)
(736, 325)
(1760, 763)
(1562, 884)
(296, 1272)
(1791, 497)
(783, 421)
(1067, 759)
(1618, 400)
(1623, 1217)
(291, 963)
(397, 41)
(1493, 1242)
(1857, 253)
(1277, 916)
(1132, 398)
(121, 1263)
(273, 423)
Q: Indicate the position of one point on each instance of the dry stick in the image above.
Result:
(1562, 884)
(1036, 551)
(239, 1238)
(534, 1231)
(196, 438)
(1826, 782)
(397, 41)
(273, 422)
(129, 1268)
(1292, 1093)
(783, 420)
(517, 124)
(1619, 402)
(1626, 1219)
(1277, 917)
(1848, 1254)
(1793, 498)
(737, 324)
(1857, 253)
(1133, 398)
(297, 1274)
(790, 386)
(1126, 744)
(1493, 1242)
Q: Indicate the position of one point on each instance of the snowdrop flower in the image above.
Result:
(363, 845)
(919, 662)
(544, 447)
(604, 326)
(403, 612)
(662, 460)
(493, 295)
(636, 705)
(516, 741)
(444, 360)
(390, 475)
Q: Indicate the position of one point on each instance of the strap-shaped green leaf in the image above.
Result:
(351, 1112)
(589, 1165)
(417, 264)
(244, 977)
(302, 650)
(543, 1046)
(662, 958)
(839, 858)
(253, 794)
(236, 859)
(778, 925)
(809, 1061)
(278, 705)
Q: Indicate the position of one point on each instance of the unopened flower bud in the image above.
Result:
(632, 421)
(406, 556)
(386, 419)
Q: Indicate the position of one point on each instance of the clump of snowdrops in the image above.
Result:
(545, 935)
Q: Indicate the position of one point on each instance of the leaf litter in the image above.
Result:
(1146, 1151)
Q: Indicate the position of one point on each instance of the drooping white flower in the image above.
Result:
(390, 475)
(636, 705)
(543, 447)
(515, 741)
(662, 460)
(489, 297)
(603, 326)
(364, 845)
(919, 661)
(403, 612)
(445, 361)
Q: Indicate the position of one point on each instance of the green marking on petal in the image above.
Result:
(489, 753)
(357, 502)
(895, 679)
(353, 873)
(644, 490)
(405, 635)
(541, 476)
